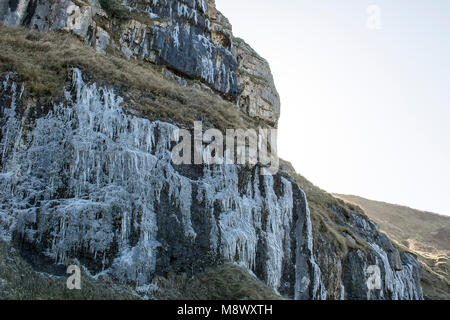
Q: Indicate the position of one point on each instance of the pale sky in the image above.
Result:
(363, 111)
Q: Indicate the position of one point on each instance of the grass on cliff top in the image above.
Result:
(43, 61)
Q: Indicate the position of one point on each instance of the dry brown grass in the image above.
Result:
(226, 282)
(43, 61)
(424, 234)
(435, 277)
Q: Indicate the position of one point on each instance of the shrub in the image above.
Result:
(115, 9)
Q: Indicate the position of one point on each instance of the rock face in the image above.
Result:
(399, 272)
(189, 37)
(85, 180)
(93, 183)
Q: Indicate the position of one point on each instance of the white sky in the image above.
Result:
(364, 112)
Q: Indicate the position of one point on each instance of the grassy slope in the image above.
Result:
(323, 217)
(331, 235)
(426, 234)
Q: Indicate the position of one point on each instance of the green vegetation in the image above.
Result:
(324, 218)
(333, 238)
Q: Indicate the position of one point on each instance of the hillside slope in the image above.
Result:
(424, 233)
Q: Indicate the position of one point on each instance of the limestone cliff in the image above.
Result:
(86, 174)
(190, 37)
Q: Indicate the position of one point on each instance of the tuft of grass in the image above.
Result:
(226, 282)
(426, 232)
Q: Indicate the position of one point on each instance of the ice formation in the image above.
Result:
(89, 177)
